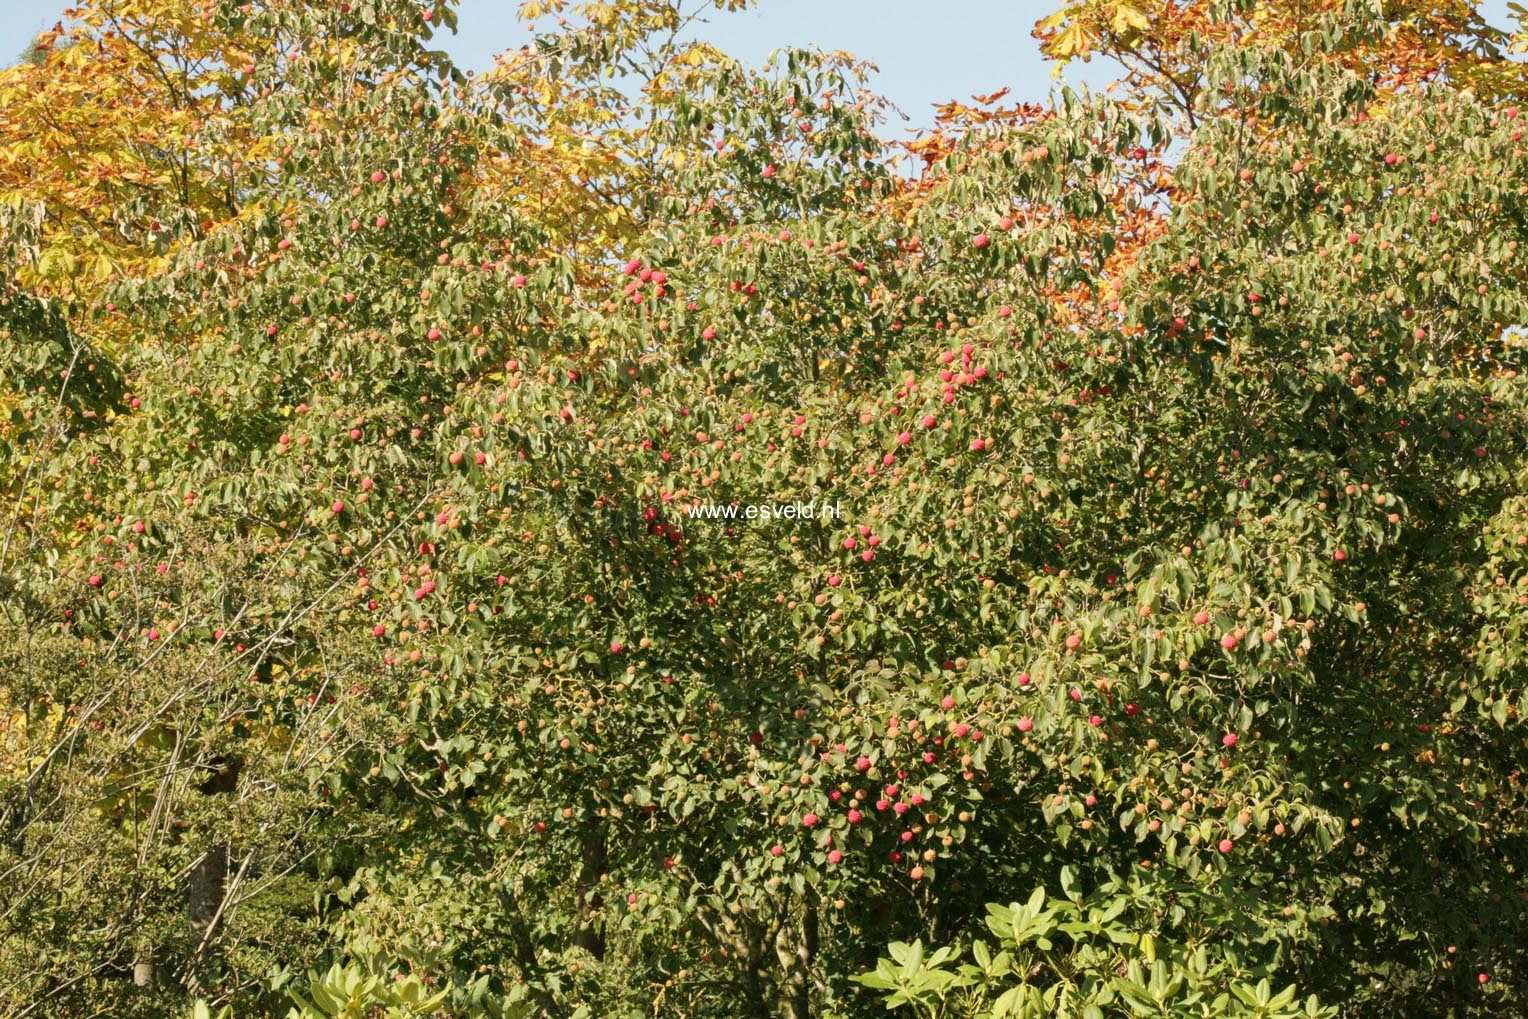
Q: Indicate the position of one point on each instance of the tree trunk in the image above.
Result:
(205, 887)
(796, 960)
(143, 968)
(587, 896)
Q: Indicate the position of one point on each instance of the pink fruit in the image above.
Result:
(338, 508)
(777, 850)
(981, 240)
(809, 820)
(834, 856)
(1228, 641)
(947, 703)
(1024, 725)
(1201, 617)
(1339, 555)
(615, 647)
(1225, 845)
(378, 630)
(1352, 238)
(1228, 740)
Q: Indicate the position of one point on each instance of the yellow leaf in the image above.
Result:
(1127, 18)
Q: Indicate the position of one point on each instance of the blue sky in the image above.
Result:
(927, 50)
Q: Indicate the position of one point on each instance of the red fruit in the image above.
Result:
(1095, 720)
(1484, 978)
(708, 333)
(517, 280)
(863, 764)
(1352, 238)
(776, 850)
(428, 15)
(1023, 679)
(378, 630)
(903, 438)
(1339, 555)
(834, 856)
(855, 817)
(1201, 617)
(930, 421)
(540, 826)
(809, 820)
(367, 484)
(1006, 223)
(615, 647)
(834, 580)
(432, 335)
(95, 580)
(1024, 725)
(1132, 709)
(947, 703)
(1228, 740)
(962, 729)
(338, 508)
(977, 445)
(769, 171)
(1228, 642)
(1225, 845)
(377, 176)
(916, 873)
(355, 434)
(981, 240)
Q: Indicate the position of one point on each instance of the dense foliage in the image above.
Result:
(365, 653)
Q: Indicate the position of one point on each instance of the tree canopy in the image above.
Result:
(378, 642)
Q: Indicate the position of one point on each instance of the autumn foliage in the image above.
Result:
(365, 654)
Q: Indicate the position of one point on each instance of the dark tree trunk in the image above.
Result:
(587, 896)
